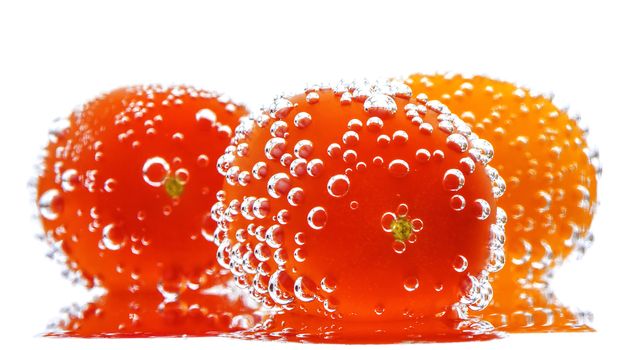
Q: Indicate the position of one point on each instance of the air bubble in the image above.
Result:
(317, 218)
(338, 185)
(374, 124)
(70, 180)
(279, 129)
(460, 264)
(457, 202)
(411, 284)
(155, 171)
(350, 138)
(399, 247)
(457, 142)
(398, 168)
(304, 289)
(380, 105)
(315, 167)
(50, 204)
(303, 149)
(112, 237)
(274, 148)
(295, 196)
(482, 209)
(453, 180)
(206, 114)
(278, 185)
(302, 120)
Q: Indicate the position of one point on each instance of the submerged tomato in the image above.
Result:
(358, 202)
(550, 172)
(126, 186)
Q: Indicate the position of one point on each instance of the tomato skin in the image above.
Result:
(543, 155)
(126, 185)
(311, 185)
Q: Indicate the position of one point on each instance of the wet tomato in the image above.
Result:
(126, 186)
(551, 174)
(357, 202)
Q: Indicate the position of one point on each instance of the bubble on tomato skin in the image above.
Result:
(460, 263)
(206, 114)
(281, 287)
(399, 247)
(317, 218)
(481, 209)
(295, 196)
(338, 185)
(380, 105)
(457, 142)
(303, 149)
(334, 150)
(398, 168)
(274, 236)
(453, 180)
(374, 124)
(328, 284)
(275, 148)
(155, 170)
(481, 151)
(305, 289)
(279, 128)
(354, 205)
(422, 155)
(411, 284)
(112, 237)
(70, 180)
(315, 167)
(350, 138)
(110, 185)
(278, 185)
(467, 165)
(457, 202)
(259, 170)
(51, 204)
(261, 208)
(302, 120)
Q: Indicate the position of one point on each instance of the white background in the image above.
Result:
(54, 55)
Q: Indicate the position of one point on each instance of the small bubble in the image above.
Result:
(274, 148)
(278, 185)
(315, 167)
(398, 168)
(259, 170)
(328, 285)
(109, 185)
(457, 142)
(457, 202)
(303, 149)
(279, 129)
(295, 196)
(317, 218)
(112, 237)
(374, 124)
(302, 120)
(202, 161)
(453, 180)
(481, 209)
(399, 247)
(354, 205)
(70, 180)
(206, 114)
(411, 284)
(379, 310)
(155, 171)
(350, 138)
(380, 105)
(422, 155)
(51, 204)
(417, 225)
(400, 137)
(460, 264)
(304, 289)
(338, 185)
